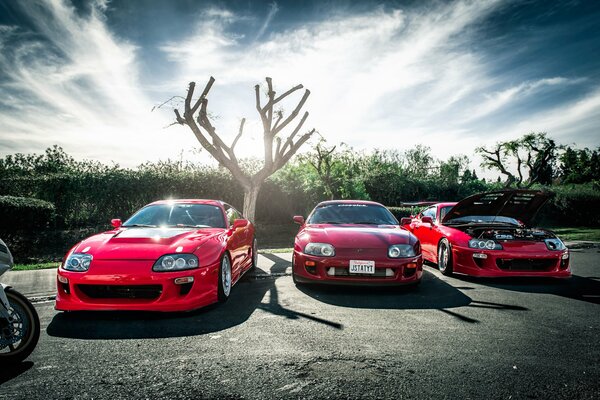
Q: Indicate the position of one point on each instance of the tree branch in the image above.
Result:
(239, 135)
(293, 114)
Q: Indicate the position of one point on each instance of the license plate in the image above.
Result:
(361, 267)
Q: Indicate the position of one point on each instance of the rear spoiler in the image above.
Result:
(418, 204)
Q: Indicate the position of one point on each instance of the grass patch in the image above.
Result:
(29, 267)
(272, 251)
(587, 234)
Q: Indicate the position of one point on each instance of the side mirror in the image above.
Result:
(405, 221)
(239, 223)
(116, 223)
(427, 220)
(299, 219)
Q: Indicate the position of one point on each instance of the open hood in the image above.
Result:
(519, 204)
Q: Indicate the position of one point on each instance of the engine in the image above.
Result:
(532, 234)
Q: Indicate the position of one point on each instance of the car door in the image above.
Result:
(425, 232)
(237, 242)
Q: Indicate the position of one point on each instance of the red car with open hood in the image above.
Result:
(172, 255)
(490, 235)
(355, 242)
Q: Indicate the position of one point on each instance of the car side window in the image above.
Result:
(430, 212)
(232, 214)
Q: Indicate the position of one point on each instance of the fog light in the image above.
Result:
(63, 279)
(480, 255)
(411, 265)
(310, 263)
(565, 256)
(184, 280)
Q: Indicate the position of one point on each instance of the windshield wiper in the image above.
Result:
(138, 226)
(190, 226)
(367, 223)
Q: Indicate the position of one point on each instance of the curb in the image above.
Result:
(580, 244)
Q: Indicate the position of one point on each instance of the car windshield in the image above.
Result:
(470, 219)
(178, 215)
(349, 213)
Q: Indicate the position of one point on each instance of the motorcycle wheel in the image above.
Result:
(19, 338)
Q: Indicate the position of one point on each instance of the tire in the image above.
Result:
(294, 279)
(22, 310)
(224, 285)
(444, 259)
(254, 255)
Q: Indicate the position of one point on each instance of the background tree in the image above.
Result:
(534, 154)
(339, 169)
(579, 165)
(277, 152)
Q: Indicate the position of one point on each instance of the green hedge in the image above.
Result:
(25, 213)
(572, 205)
(401, 212)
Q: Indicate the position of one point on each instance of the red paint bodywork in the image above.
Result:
(355, 242)
(129, 262)
(430, 236)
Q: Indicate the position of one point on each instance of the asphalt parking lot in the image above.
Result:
(455, 338)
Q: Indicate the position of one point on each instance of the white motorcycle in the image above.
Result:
(19, 322)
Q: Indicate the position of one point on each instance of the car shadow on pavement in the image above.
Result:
(577, 287)
(6, 374)
(432, 293)
(246, 297)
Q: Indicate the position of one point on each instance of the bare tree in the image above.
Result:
(277, 152)
(534, 152)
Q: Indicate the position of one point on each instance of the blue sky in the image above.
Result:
(450, 75)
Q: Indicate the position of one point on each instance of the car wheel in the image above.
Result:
(294, 279)
(224, 288)
(445, 258)
(254, 255)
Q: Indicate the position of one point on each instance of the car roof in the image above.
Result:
(324, 203)
(188, 201)
(446, 204)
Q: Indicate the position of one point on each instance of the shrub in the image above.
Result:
(572, 205)
(21, 213)
(401, 212)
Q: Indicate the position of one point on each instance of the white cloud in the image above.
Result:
(385, 78)
(79, 87)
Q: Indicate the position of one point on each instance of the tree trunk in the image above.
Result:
(250, 197)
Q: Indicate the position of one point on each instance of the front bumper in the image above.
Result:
(132, 285)
(511, 262)
(334, 271)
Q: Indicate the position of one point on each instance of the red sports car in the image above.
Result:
(355, 242)
(489, 235)
(172, 255)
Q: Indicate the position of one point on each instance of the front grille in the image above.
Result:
(379, 273)
(526, 264)
(121, 291)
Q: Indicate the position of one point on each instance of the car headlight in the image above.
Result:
(78, 262)
(483, 244)
(401, 251)
(320, 249)
(175, 262)
(555, 244)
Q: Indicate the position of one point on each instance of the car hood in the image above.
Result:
(519, 204)
(357, 236)
(145, 243)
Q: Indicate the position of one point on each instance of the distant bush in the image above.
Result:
(401, 212)
(572, 205)
(21, 213)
